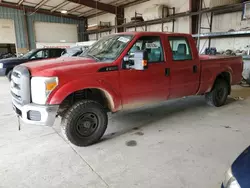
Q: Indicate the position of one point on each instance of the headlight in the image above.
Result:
(1, 65)
(230, 181)
(41, 87)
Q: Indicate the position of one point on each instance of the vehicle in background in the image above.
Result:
(7, 65)
(72, 52)
(246, 69)
(120, 71)
(86, 43)
(80, 48)
(238, 175)
(6, 55)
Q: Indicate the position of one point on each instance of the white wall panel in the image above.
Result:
(182, 25)
(150, 9)
(55, 32)
(155, 27)
(225, 22)
(104, 18)
(7, 31)
(92, 37)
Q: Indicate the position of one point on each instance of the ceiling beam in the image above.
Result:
(59, 6)
(41, 11)
(119, 11)
(75, 9)
(19, 2)
(41, 4)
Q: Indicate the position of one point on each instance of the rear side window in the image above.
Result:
(180, 48)
(56, 53)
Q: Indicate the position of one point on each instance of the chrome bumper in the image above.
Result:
(36, 114)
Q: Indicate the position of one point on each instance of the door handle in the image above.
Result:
(195, 69)
(167, 71)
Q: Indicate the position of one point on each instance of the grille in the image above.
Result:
(20, 85)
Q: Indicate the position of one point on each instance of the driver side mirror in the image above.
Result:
(138, 62)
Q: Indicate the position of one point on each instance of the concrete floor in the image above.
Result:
(178, 144)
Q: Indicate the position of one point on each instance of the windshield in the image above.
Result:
(28, 54)
(108, 48)
(72, 51)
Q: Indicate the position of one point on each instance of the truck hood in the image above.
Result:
(63, 65)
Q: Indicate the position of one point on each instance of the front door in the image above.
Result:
(40, 54)
(151, 85)
(184, 68)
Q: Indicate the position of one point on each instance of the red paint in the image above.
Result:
(126, 87)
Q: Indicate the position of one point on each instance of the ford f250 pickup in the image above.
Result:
(120, 71)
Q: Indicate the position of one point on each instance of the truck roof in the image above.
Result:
(153, 33)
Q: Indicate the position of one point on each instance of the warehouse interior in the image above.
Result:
(177, 143)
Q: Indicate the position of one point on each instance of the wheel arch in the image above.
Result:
(227, 76)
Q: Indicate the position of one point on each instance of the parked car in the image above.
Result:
(74, 51)
(6, 55)
(7, 65)
(120, 71)
(238, 176)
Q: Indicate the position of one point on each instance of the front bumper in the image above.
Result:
(3, 72)
(36, 114)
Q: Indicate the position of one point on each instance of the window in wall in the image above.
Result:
(180, 48)
(152, 44)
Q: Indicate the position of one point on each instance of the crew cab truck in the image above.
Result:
(120, 71)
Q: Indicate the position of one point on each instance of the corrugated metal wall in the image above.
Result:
(17, 16)
(20, 30)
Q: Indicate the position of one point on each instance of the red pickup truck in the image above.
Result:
(120, 71)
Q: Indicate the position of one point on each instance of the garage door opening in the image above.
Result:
(7, 38)
(7, 51)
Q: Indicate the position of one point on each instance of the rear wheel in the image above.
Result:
(84, 123)
(218, 96)
(9, 75)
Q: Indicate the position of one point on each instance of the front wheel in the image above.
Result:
(9, 75)
(218, 96)
(84, 123)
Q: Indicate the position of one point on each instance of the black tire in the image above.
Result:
(218, 96)
(9, 75)
(84, 123)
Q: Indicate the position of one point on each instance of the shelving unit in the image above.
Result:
(171, 18)
(223, 34)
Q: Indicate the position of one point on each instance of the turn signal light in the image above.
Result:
(50, 86)
(145, 63)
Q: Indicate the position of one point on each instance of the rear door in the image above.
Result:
(184, 67)
(143, 87)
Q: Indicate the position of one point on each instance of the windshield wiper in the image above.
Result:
(93, 57)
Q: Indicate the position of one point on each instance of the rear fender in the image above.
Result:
(226, 70)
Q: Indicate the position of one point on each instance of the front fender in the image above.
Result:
(64, 90)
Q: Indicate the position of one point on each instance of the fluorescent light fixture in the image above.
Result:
(64, 11)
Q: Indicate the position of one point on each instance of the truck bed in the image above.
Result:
(211, 66)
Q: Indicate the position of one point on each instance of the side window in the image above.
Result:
(180, 48)
(40, 54)
(55, 53)
(152, 44)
